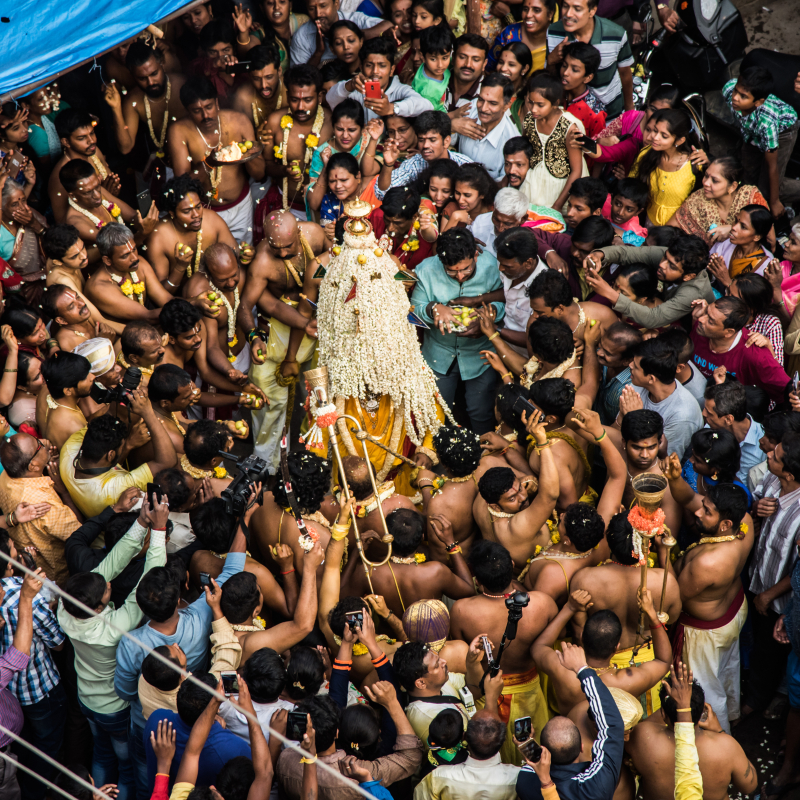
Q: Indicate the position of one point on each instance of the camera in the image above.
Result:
(252, 470)
(515, 603)
(130, 381)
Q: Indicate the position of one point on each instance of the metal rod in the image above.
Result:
(666, 575)
(361, 434)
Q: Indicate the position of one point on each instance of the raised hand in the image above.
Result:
(580, 600)
(9, 339)
(679, 686)
(588, 423)
(443, 528)
(719, 269)
(112, 184)
(112, 96)
(719, 374)
(536, 425)
(672, 467)
(147, 224)
(375, 128)
(571, 657)
(629, 400)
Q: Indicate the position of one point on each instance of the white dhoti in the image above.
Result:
(268, 421)
(242, 360)
(238, 216)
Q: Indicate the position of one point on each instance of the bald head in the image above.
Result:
(562, 738)
(19, 454)
(281, 233)
(485, 735)
(356, 473)
(222, 266)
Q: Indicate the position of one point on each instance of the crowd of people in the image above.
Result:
(524, 290)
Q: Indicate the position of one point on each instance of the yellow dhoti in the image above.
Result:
(650, 700)
(268, 421)
(522, 697)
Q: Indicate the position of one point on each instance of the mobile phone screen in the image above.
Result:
(230, 683)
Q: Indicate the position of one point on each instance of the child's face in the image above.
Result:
(421, 19)
(742, 100)
(509, 66)
(436, 64)
(346, 132)
(623, 210)
(573, 74)
(440, 191)
(539, 106)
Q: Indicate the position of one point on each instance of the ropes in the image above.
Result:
(356, 787)
(46, 782)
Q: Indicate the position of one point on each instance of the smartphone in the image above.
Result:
(523, 729)
(521, 404)
(587, 143)
(27, 559)
(154, 489)
(15, 163)
(796, 381)
(372, 90)
(230, 683)
(238, 68)
(487, 648)
(205, 580)
(295, 725)
(144, 200)
(532, 750)
(355, 619)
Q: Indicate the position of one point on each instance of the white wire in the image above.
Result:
(291, 744)
(46, 782)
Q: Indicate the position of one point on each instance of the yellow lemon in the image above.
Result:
(337, 250)
(362, 259)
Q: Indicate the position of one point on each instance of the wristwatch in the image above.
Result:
(396, 109)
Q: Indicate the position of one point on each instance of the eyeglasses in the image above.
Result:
(39, 446)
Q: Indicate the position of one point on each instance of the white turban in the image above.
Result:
(100, 353)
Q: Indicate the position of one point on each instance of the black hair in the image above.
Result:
(736, 312)
(491, 565)
(311, 476)
(344, 23)
(507, 396)
(641, 424)
(65, 780)
(517, 244)
(554, 396)
(24, 361)
(134, 334)
(204, 440)
(521, 53)
(546, 85)
(217, 30)
(378, 46)
(552, 287)
(359, 732)
(440, 168)
(173, 483)
(50, 297)
(234, 780)
(691, 252)
(791, 453)
(594, 229)
(719, 450)
(58, 239)
(264, 55)
(498, 79)
(212, 525)
(336, 616)
(626, 335)
(408, 528)
(434, 7)
(601, 634)
(409, 663)
(756, 291)
(158, 674)
(336, 70)
(730, 501)
(517, 144)
(303, 75)
(75, 171)
(643, 279)
(584, 526)
(192, 700)
(592, 190)
(495, 482)
(731, 167)
(485, 736)
(157, 594)
(305, 673)
(630, 188)
(680, 341)
(349, 109)
(664, 235)
(175, 189)
(458, 449)
(178, 316)
(779, 423)
(476, 176)
(670, 707)
(551, 340)
(437, 40)
(13, 458)
(64, 370)
(265, 675)
(325, 717)
(196, 89)
(658, 358)
(455, 245)
(403, 202)
(344, 161)
(433, 121)
(472, 40)
(561, 736)
(446, 729)
(729, 398)
(756, 81)
(240, 597)
(87, 588)
(758, 402)
(679, 124)
(619, 535)
(70, 119)
(103, 434)
(584, 52)
(761, 220)
(166, 382)
(117, 526)
(139, 54)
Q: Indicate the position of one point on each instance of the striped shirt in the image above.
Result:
(412, 168)
(11, 662)
(775, 552)
(770, 326)
(762, 126)
(41, 676)
(611, 41)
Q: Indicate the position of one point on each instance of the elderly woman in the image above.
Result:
(711, 212)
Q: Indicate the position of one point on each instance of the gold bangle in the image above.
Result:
(243, 43)
(339, 532)
(494, 335)
(684, 710)
(508, 374)
(308, 760)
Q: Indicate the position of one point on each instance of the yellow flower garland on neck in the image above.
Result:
(312, 140)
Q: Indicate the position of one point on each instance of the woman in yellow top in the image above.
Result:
(667, 165)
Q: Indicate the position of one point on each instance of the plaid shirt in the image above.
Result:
(762, 127)
(41, 676)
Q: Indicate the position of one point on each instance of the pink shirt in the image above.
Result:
(631, 225)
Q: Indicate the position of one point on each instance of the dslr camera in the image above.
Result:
(119, 394)
(252, 470)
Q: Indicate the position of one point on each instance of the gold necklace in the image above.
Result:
(159, 142)
(256, 107)
(145, 370)
(174, 417)
(99, 167)
(500, 514)
(602, 670)
(52, 404)
(199, 474)
(214, 173)
(548, 553)
(714, 540)
(509, 437)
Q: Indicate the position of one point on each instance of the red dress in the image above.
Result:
(408, 258)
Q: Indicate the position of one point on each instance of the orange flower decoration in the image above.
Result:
(646, 525)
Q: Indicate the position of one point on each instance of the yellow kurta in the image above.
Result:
(668, 190)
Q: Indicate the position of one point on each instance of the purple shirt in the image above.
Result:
(10, 711)
(610, 8)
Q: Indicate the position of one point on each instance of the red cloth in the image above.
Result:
(160, 788)
(8, 277)
(271, 201)
(703, 624)
(408, 258)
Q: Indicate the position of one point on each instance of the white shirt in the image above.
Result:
(487, 780)
(304, 42)
(518, 304)
(489, 150)
(236, 722)
(406, 101)
(681, 414)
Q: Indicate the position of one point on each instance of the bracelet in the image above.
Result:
(539, 447)
(253, 333)
(545, 785)
(600, 438)
(288, 571)
(9, 370)
(244, 43)
(456, 549)
(656, 627)
(494, 335)
(51, 343)
(420, 484)
(309, 760)
(339, 532)
(684, 710)
(12, 519)
(170, 283)
(163, 530)
(508, 374)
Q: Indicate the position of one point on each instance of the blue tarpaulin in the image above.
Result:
(40, 39)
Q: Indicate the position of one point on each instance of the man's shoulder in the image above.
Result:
(556, 29)
(161, 714)
(609, 31)
(426, 267)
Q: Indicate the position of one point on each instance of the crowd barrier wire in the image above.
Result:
(46, 782)
(291, 744)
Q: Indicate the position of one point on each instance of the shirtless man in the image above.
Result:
(721, 759)
(309, 118)
(204, 128)
(66, 259)
(580, 527)
(76, 132)
(201, 453)
(67, 377)
(176, 244)
(403, 581)
(92, 208)
(486, 613)
(274, 287)
(505, 512)
(714, 606)
(141, 346)
(73, 318)
(601, 639)
(263, 91)
(153, 102)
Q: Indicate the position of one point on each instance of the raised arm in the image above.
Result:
(542, 648)
(262, 763)
(331, 574)
(164, 455)
(458, 583)
(681, 492)
(190, 762)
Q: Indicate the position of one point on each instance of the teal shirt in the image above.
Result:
(433, 284)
